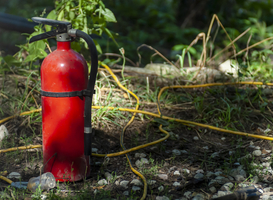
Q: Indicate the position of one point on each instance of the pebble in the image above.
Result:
(195, 138)
(3, 132)
(266, 164)
(209, 174)
(206, 147)
(199, 176)
(227, 186)
(160, 188)
(176, 152)
(257, 152)
(177, 173)
(218, 173)
(199, 171)
(223, 138)
(184, 151)
(140, 155)
(221, 180)
(151, 182)
(124, 184)
(257, 147)
(215, 154)
(135, 188)
(162, 198)
(172, 169)
(14, 175)
(126, 193)
(198, 197)
(212, 189)
(175, 184)
(141, 162)
(136, 182)
(102, 182)
(187, 194)
(94, 150)
(186, 171)
(239, 178)
(163, 176)
(108, 176)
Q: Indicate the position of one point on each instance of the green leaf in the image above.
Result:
(98, 47)
(10, 60)
(51, 15)
(108, 15)
(71, 15)
(61, 15)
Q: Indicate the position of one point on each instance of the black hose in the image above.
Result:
(90, 87)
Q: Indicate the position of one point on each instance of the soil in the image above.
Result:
(107, 140)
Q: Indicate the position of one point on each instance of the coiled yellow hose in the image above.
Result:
(134, 111)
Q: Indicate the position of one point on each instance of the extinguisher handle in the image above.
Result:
(59, 28)
(50, 22)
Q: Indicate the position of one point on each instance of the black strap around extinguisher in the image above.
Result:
(67, 94)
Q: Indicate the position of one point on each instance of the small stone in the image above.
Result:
(135, 188)
(177, 173)
(238, 171)
(187, 194)
(213, 182)
(266, 164)
(227, 186)
(151, 182)
(126, 193)
(141, 162)
(94, 150)
(172, 169)
(215, 154)
(265, 197)
(206, 148)
(198, 197)
(212, 189)
(183, 151)
(195, 138)
(175, 184)
(124, 184)
(199, 171)
(162, 198)
(108, 176)
(267, 189)
(136, 182)
(257, 152)
(140, 155)
(257, 147)
(176, 152)
(14, 175)
(102, 182)
(255, 179)
(160, 188)
(209, 174)
(3, 132)
(266, 131)
(223, 138)
(221, 180)
(163, 176)
(186, 171)
(199, 176)
(265, 159)
(239, 178)
(218, 173)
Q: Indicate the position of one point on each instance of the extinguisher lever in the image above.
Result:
(59, 27)
(43, 36)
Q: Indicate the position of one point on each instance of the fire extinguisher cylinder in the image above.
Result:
(66, 88)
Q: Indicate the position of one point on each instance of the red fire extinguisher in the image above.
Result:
(66, 103)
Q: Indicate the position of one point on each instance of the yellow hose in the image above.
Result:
(134, 111)
(123, 130)
(5, 179)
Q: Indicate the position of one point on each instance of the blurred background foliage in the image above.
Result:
(166, 25)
